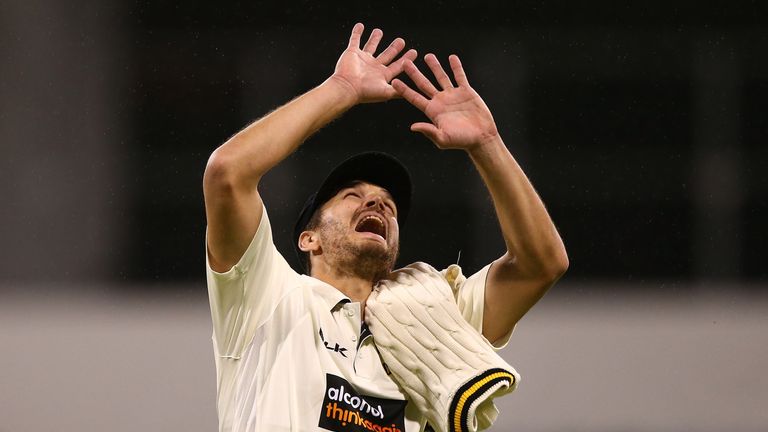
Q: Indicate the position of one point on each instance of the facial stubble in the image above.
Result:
(364, 259)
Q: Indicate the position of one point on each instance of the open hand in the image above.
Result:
(460, 119)
(369, 77)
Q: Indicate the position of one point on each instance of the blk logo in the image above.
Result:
(335, 348)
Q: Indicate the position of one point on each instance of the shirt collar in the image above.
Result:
(330, 295)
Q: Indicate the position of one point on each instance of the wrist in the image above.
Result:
(487, 145)
(344, 89)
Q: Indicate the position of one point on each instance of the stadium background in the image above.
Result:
(642, 126)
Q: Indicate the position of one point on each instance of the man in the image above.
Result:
(292, 351)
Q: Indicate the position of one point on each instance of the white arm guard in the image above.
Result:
(444, 365)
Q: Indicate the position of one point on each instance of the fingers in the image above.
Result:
(373, 41)
(458, 70)
(412, 96)
(419, 79)
(437, 71)
(395, 68)
(354, 39)
(429, 130)
(391, 52)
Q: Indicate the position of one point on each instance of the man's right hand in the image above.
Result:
(367, 77)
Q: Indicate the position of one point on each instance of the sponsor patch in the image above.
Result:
(345, 410)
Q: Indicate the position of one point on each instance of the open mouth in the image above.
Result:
(372, 224)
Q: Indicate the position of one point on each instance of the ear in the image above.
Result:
(308, 241)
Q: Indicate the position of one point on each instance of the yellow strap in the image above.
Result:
(470, 391)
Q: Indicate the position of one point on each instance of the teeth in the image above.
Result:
(380, 225)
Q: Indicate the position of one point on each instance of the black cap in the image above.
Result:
(378, 168)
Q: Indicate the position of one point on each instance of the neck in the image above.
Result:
(354, 286)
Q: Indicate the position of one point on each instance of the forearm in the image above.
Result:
(253, 151)
(534, 247)
(535, 256)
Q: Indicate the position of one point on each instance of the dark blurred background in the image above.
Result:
(642, 127)
(641, 124)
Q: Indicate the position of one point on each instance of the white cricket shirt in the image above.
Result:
(292, 353)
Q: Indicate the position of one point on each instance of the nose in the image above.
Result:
(374, 201)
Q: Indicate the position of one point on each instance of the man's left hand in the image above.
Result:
(460, 119)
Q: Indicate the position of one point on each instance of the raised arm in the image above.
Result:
(230, 184)
(535, 257)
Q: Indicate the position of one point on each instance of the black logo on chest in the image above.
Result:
(335, 347)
